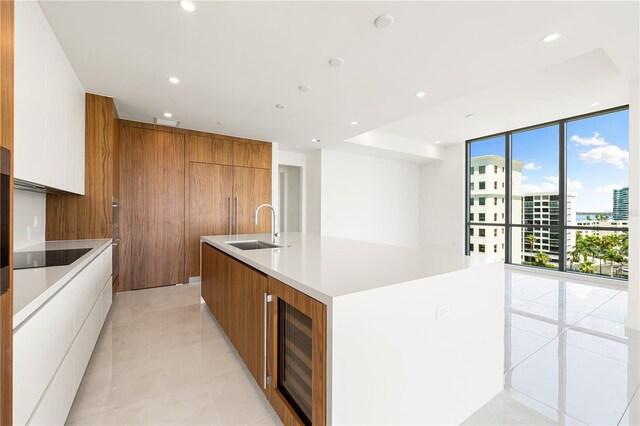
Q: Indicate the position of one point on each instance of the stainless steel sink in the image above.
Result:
(252, 245)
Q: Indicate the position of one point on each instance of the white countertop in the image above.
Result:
(33, 287)
(326, 267)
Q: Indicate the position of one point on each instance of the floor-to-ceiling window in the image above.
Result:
(553, 196)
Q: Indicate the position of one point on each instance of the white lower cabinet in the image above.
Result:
(52, 348)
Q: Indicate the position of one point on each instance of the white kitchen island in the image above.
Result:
(413, 336)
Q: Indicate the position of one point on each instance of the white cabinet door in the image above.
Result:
(75, 136)
(57, 401)
(49, 106)
(29, 93)
(39, 345)
(55, 114)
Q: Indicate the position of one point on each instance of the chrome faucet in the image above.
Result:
(274, 234)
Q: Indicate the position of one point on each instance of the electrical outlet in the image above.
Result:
(442, 312)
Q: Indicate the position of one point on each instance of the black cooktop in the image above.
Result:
(40, 259)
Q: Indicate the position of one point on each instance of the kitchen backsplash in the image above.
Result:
(29, 209)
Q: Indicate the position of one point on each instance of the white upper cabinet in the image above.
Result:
(49, 139)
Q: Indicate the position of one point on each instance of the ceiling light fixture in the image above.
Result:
(315, 140)
(354, 123)
(437, 142)
(420, 95)
(304, 88)
(336, 61)
(168, 115)
(383, 21)
(595, 104)
(174, 80)
(281, 106)
(551, 37)
(470, 115)
(188, 6)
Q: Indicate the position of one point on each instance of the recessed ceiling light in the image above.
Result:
(420, 95)
(383, 21)
(551, 37)
(470, 115)
(595, 104)
(354, 123)
(336, 62)
(174, 80)
(281, 106)
(189, 6)
(168, 115)
(315, 140)
(304, 88)
(437, 141)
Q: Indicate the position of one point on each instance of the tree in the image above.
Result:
(588, 217)
(541, 259)
(580, 249)
(587, 267)
(532, 240)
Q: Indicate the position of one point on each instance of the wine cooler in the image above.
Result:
(296, 351)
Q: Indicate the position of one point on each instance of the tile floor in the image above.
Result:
(162, 359)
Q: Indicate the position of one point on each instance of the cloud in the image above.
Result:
(531, 166)
(523, 178)
(595, 140)
(610, 154)
(551, 185)
(607, 189)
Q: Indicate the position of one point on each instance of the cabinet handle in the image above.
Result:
(229, 215)
(267, 299)
(236, 198)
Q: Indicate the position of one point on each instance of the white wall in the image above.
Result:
(442, 202)
(28, 218)
(290, 200)
(633, 316)
(314, 184)
(369, 198)
(299, 160)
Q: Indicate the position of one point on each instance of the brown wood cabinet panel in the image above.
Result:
(252, 155)
(152, 207)
(316, 311)
(251, 187)
(6, 141)
(201, 149)
(210, 203)
(223, 151)
(246, 306)
(70, 216)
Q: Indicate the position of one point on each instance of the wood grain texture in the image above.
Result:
(72, 217)
(318, 314)
(209, 202)
(251, 187)
(6, 141)
(252, 155)
(152, 205)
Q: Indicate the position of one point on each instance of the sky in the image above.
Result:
(597, 158)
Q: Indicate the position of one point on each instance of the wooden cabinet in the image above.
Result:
(293, 332)
(251, 187)
(49, 106)
(235, 293)
(152, 207)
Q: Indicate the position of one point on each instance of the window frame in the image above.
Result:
(507, 224)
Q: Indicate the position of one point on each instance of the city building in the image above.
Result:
(624, 224)
(487, 204)
(543, 208)
(621, 204)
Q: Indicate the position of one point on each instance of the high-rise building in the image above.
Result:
(621, 204)
(543, 209)
(487, 204)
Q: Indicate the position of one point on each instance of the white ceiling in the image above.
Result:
(236, 60)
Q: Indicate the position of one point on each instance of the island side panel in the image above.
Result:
(393, 362)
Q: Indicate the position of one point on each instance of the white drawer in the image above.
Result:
(87, 289)
(39, 346)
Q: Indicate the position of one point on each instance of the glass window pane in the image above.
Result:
(487, 184)
(487, 241)
(599, 252)
(535, 247)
